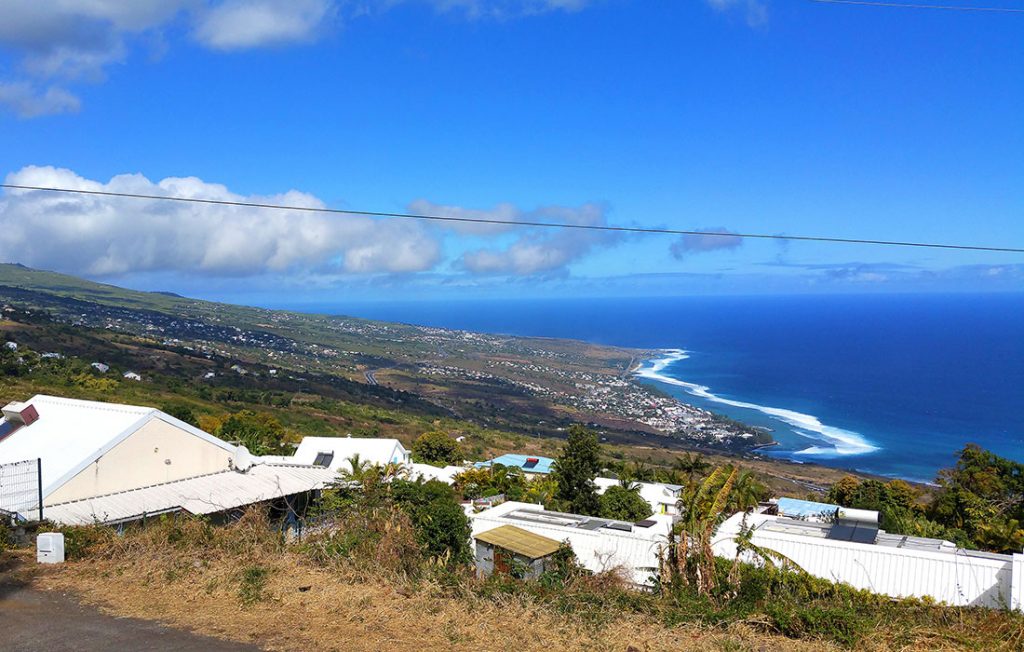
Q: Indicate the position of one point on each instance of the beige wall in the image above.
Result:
(157, 452)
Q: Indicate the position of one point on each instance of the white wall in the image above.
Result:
(955, 579)
(1017, 581)
(155, 453)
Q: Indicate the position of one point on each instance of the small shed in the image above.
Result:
(513, 551)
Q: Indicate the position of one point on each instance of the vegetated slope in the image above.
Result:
(528, 385)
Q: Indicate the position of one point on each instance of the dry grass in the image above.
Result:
(244, 583)
(329, 609)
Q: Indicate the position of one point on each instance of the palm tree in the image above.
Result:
(357, 470)
(703, 509)
(542, 490)
(642, 472)
(746, 493)
(692, 465)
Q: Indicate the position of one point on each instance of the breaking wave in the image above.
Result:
(830, 440)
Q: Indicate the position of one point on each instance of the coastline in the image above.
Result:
(826, 442)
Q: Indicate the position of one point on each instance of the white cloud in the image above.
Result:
(240, 24)
(755, 11)
(504, 8)
(717, 238)
(29, 101)
(502, 212)
(100, 236)
(77, 38)
(70, 41)
(544, 251)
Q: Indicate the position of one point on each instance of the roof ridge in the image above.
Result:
(93, 405)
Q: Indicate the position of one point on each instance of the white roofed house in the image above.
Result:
(662, 497)
(600, 544)
(335, 453)
(106, 462)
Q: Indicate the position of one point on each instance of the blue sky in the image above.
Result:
(773, 116)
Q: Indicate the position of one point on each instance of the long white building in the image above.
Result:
(848, 548)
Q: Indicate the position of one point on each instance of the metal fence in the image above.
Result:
(21, 489)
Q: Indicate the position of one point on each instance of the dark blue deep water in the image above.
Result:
(887, 384)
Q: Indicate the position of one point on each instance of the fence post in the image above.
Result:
(39, 479)
(1017, 583)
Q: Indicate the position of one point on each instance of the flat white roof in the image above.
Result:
(205, 494)
(655, 493)
(70, 434)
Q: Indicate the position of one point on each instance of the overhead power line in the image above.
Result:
(518, 223)
(908, 5)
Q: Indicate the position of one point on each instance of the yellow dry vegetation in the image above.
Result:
(307, 608)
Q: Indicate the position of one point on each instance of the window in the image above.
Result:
(323, 459)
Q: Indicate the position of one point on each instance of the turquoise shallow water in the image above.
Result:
(888, 384)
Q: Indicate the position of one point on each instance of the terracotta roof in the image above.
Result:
(519, 541)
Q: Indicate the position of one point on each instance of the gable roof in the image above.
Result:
(71, 434)
(519, 541)
(370, 450)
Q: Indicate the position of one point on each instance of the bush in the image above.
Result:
(436, 448)
(181, 412)
(82, 541)
(260, 432)
(623, 504)
(441, 524)
(252, 584)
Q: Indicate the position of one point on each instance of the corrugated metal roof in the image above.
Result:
(519, 541)
(528, 463)
(796, 508)
(70, 434)
(206, 494)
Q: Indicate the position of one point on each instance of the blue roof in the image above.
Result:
(805, 508)
(528, 463)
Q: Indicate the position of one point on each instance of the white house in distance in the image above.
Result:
(335, 452)
(105, 462)
(848, 547)
(600, 544)
(662, 498)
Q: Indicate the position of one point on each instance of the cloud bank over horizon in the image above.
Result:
(103, 236)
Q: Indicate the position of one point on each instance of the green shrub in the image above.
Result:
(436, 448)
(624, 504)
(252, 584)
(82, 541)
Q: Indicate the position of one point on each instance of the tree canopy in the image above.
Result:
(575, 469)
(260, 432)
(624, 504)
(436, 448)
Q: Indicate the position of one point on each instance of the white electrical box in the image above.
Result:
(50, 548)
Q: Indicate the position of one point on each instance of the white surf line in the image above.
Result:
(843, 442)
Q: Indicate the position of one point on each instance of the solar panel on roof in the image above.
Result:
(622, 527)
(853, 531)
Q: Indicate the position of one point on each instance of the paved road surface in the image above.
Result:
(32, 619)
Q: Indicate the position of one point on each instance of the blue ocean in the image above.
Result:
(893, 385)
